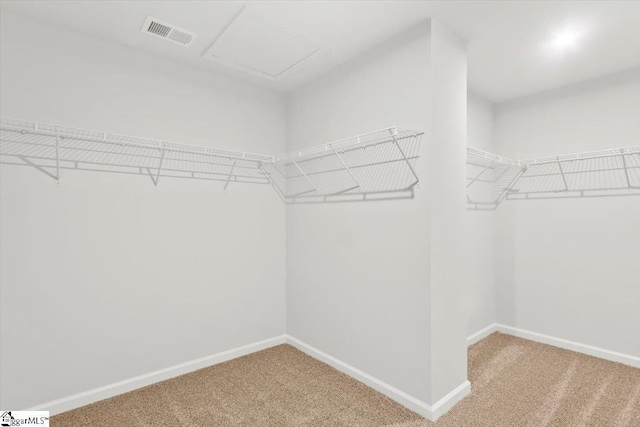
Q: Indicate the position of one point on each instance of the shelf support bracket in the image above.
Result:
(305, 175)
(500, 176)
(160, 165)
(395, 141)
(564, 179)
(626, 172)
(275, 165)
(230, 174)
(264, 172)
(508, 188)
(347, 169)
(57, 156)
(481, 172)
(271, 182)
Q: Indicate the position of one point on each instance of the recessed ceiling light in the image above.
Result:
(566, 39)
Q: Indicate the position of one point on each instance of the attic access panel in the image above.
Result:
(253, 44)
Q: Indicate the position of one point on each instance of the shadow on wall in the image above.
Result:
(370, 167)
(492, 179)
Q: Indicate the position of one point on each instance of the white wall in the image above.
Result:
(105, 277)
(445, 178)
(480, 116)
(570, 268)
(359, 275)
(480, 272)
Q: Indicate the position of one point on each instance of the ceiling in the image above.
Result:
(514, 48)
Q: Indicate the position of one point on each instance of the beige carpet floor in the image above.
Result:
(515, 383)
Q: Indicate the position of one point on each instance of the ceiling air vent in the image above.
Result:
(168, 32)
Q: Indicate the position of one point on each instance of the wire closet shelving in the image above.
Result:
(380, 161)
(492, 179)
(372, 163)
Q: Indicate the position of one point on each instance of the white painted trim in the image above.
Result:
(443, 405)
(429, 412)
(81, 399)
(571, 345)
(482, 333)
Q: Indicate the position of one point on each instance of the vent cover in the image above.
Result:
(169, 32)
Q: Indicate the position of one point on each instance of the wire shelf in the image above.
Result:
(377, 162)
(492, 179)
(380, 161)
(47, 146)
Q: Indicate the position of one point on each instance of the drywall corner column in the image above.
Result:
(358, 272)
(377, 285)
(446, 177)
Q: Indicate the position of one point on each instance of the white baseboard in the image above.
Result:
(85, 398)
(430, 412)
(482, 333)
(602, 353)
(571, 345)
(443, 405)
